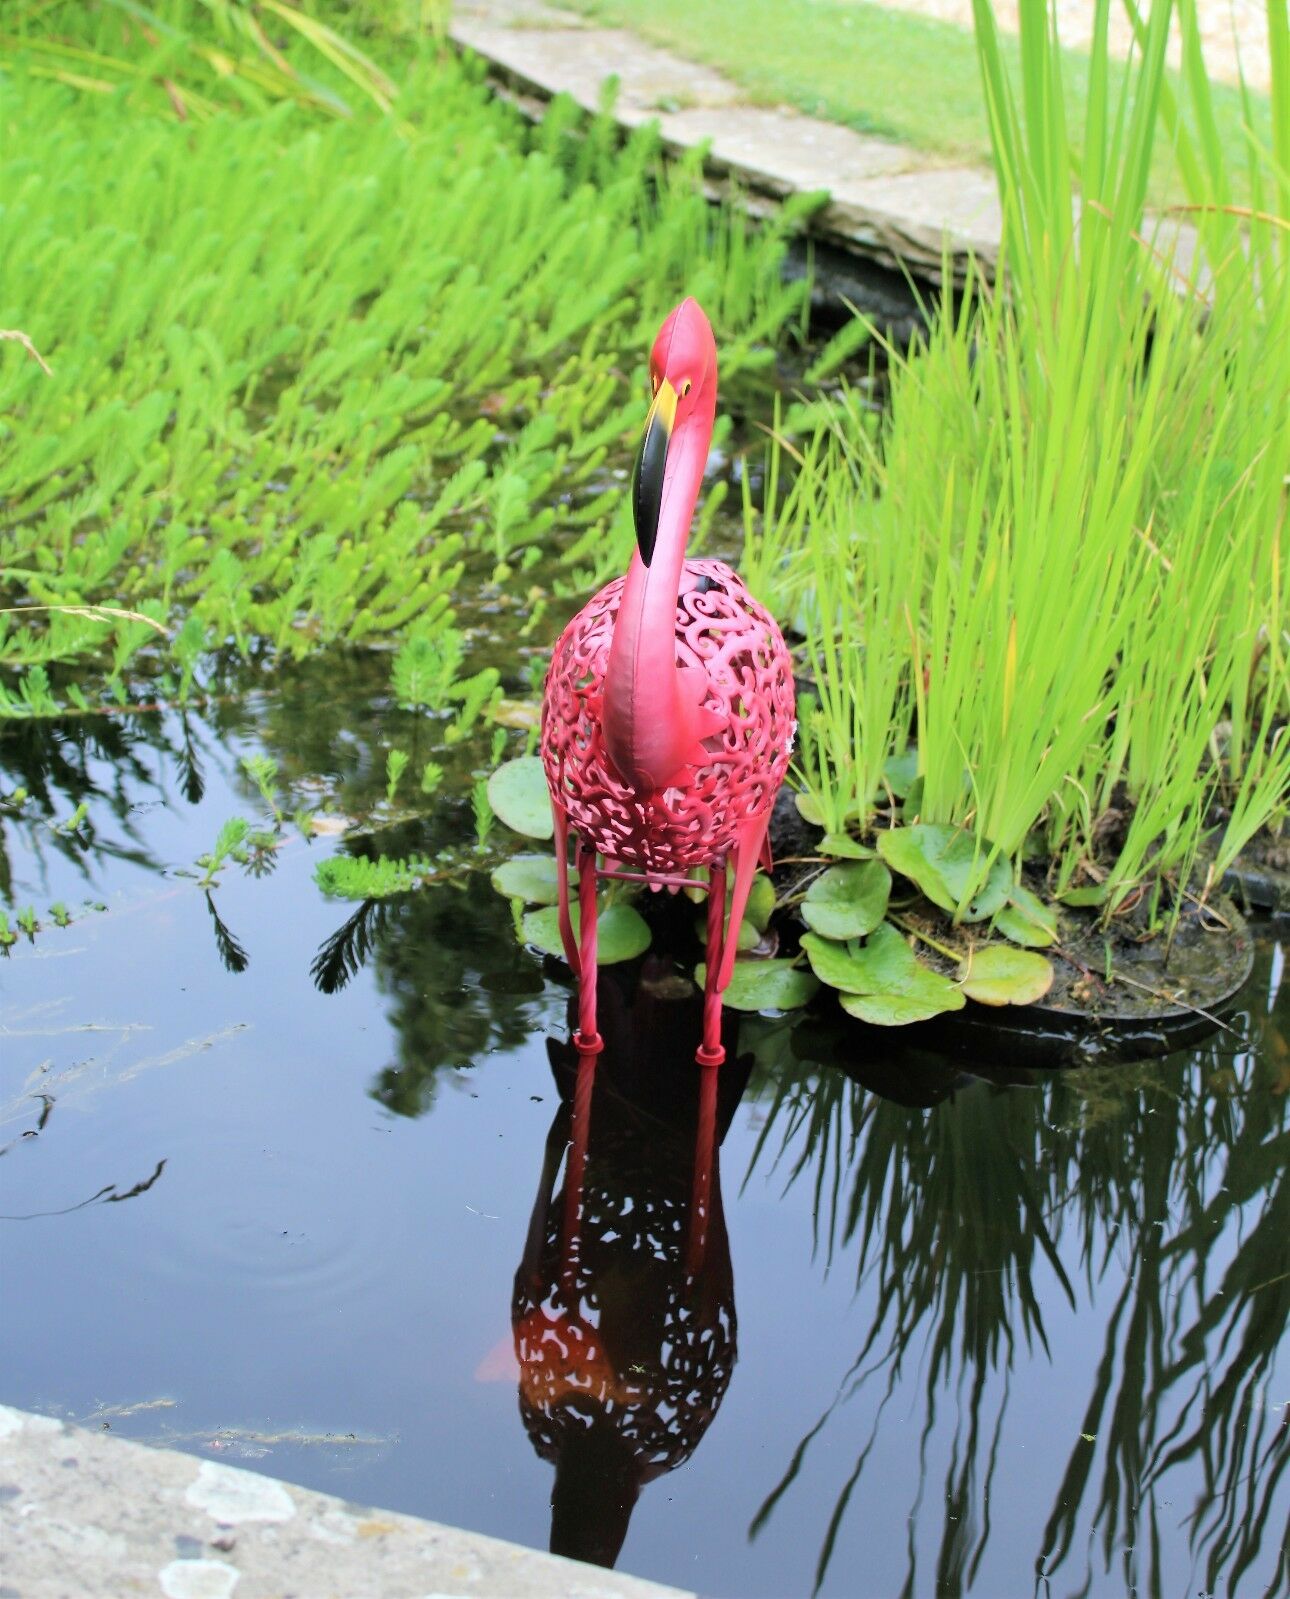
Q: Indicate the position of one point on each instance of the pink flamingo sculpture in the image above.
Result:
(668, 717)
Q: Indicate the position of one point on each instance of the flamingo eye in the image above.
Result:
(685, 388)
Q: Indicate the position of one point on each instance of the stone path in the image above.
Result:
(84, 1516)
(895, 205)
(1234, 33)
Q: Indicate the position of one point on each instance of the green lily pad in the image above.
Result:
(757, 914)
(848, 901)
(882, 982)
(808, 809)
(532, 878)
(761, 902)
(894, 1010)
(945, 863)
(845, 847)
(1001, 975)
(1092, 894)
(621, 933)
(518, 793)
(901, 770)
(764, 985)
(749, 937)
(1026, 920)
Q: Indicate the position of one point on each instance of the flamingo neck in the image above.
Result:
(650, 724)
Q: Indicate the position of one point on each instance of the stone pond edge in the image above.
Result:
(88, 1516)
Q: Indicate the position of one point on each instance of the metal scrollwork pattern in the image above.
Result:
(722, 628)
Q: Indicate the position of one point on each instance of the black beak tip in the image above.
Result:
(647, 486)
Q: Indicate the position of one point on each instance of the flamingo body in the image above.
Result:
(668, 717)
(731, 783)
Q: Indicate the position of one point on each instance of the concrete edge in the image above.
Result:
(86, 1516)
(895, 206)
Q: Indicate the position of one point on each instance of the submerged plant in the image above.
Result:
(263, 772)
(229, 844)
(358, 877)
(396, 763)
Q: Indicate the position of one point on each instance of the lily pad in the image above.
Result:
(532, 878)
(518, 793)
(1001, 975)
(945, 863)
(882, 982)
(757, 914)
(900, 771)
(844, 847)
(895, 1010)
(761, 902)
(1091, 894)
(764, 985)
(1026, 920)
(808, 809)
(749, 937)
(848, 901)
(621, 932)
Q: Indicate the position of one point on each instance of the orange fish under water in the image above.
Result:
(553, 1357)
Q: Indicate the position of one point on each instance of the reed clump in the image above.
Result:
(1045, 595)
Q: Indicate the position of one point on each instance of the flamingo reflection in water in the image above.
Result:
(623, 1312)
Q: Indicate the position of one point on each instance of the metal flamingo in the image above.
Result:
(668, 717)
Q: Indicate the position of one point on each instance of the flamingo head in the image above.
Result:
(683, 375)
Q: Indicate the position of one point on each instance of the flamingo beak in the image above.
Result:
(651, 461)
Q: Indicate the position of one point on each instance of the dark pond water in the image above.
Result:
(282, 1178)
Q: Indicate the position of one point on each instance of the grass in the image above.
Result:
(1082, 476)
(312, 374)
(304, 367)
(902, 77)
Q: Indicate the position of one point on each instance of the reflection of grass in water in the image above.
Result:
(948, 1216)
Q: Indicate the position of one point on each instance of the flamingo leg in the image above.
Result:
(711, 1052)
(562, 887)
(750, 848)
(587, 1039)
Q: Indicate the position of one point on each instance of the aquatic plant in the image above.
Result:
(396, 763)
(191, 59)
(305, 369)
(230, 844)
(360, 877)
(1056, 564)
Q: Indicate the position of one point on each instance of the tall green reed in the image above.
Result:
(1082, 470)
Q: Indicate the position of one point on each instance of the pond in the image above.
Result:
(286, 1181)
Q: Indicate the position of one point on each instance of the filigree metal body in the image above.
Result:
(721, 628)
(668, 718)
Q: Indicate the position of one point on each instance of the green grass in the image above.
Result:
(1058, 565)
(304, 367)
(903, 77)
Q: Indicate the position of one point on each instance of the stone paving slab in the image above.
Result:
(85, 1516)
(894, 204)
